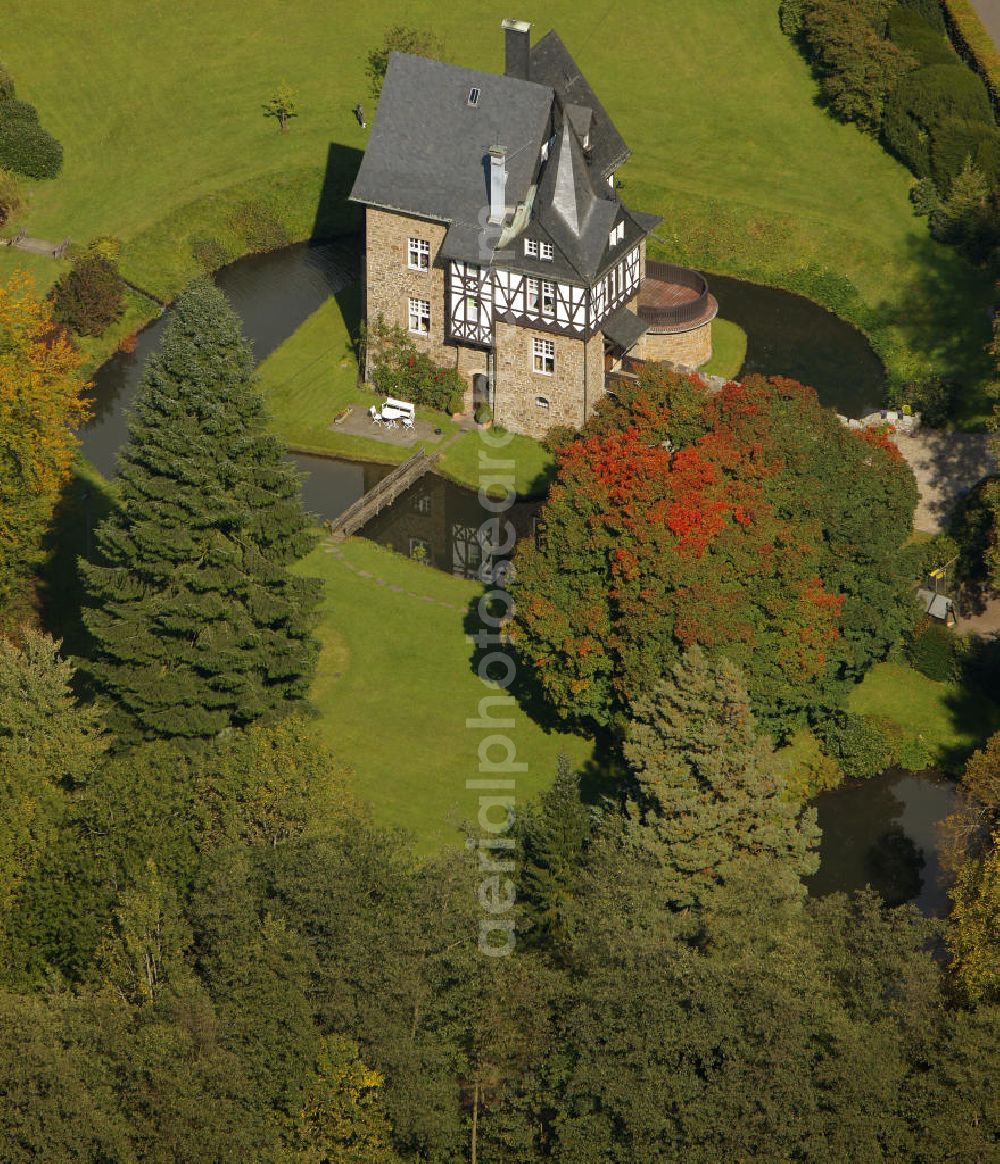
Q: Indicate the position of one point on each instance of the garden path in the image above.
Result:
(946, 465)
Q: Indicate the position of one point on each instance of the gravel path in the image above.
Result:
(946, 466)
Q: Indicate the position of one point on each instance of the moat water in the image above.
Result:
(881, 832)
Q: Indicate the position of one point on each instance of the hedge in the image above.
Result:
(911, 32)
(955, 140)
(974, 43)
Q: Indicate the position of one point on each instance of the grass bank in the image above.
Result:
(948, 720)
(163, 129)
(396, 685)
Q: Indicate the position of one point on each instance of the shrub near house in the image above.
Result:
(397, 369)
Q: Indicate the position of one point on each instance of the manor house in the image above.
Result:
(495, 236)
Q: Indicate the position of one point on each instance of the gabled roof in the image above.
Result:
(552, 65)
(428, 150)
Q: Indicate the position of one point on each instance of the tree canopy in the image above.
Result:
(758, 528)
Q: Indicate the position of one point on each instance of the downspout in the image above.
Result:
(586, 342)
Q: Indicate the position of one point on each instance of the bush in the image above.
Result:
(10, 196)
(557, 436)
(856, 743)
(483, 413)
(397, 368)
(954, 141)
(209, 253)
(857, 68)
(935, 652)
(931, 396)
(25, 147)
(925, 197)
(911, 32)
(90, 296)
(790, 17)
(930, 11)
(922, 101)
(259, 227)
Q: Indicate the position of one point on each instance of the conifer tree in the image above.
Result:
(198, 622)
(555, 833)
(705, 801)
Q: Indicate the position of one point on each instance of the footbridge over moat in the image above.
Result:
(381, 495)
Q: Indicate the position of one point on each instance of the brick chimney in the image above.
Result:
(498, 183)
(517, 34)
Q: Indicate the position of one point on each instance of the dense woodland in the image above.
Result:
(208, 950)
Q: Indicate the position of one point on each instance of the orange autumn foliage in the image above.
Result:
(41, 404)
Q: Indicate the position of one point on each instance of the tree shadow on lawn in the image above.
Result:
(944, 316)
(973, 707)
(84, 503)
(601, 775)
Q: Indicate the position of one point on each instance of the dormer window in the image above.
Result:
(545, 251)
(473, 99)
(616, 235)
(531, 247)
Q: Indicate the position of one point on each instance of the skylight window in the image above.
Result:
(473, 97)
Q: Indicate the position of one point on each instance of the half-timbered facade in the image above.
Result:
(494, 232)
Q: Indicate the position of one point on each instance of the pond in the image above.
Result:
(883, 832)
(273, 294)
(788, 335)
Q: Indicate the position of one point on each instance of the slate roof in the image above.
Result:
(577, 218)
(552, 65)
(623, 327)
(427, 153)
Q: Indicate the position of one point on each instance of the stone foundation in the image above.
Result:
(687, 349)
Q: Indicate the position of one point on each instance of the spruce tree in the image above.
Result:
(555, 833)
(705, 802)
(198, 622)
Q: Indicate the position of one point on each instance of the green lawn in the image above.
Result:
(729, 350)
(313, 375)
(395, 687)
(159, 109)
(951, 720)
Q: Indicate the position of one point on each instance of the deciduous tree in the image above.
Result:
(41, 404)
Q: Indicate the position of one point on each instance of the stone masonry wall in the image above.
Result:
(518, 386)
(687, 349)
(389, 285)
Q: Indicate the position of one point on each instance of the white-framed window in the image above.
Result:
(542, 401)
(616, 235)
(473, 98)
(420, 316)
(419, 252)
(531, 247)
(548, 297)
(545, 251)
(421, 502)
(543, 359)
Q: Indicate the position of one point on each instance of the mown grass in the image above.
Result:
(396, 684)
(313, 375)
(948, 720)
(729, 350)
(164, 123)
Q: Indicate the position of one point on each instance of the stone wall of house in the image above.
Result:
(686, 349)
(519, 387)
(389, 285)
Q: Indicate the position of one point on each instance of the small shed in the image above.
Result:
(939, 606)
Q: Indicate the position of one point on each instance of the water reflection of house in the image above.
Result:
(441, 523)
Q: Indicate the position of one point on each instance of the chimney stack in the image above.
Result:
(518, 49)
(498, 183)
